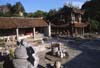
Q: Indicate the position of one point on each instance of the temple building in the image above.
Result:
(20, 27)
(69, 22)
(78, 25)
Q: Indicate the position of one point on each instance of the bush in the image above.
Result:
(2, 43)
(1, 65)
(11, 50)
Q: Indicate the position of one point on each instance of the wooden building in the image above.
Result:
(71, 23)
(20, 27)
(78, 25)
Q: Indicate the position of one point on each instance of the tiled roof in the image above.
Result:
(21, 22)
(80, 25)
(78, 11)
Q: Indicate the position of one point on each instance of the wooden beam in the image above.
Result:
(33, 32)
(76, 31)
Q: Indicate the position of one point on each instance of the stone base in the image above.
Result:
(53, 58)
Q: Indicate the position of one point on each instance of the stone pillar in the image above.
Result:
(33, 32)
(57, 64)
(49, 30)
(17, 33)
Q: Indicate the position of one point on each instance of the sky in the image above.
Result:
(44, 5)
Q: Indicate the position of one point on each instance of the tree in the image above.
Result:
(60, 16)
(9, 13)
(51, 14)
(92, 11)
(39, 13)
(13, 10)
(94, 25)
(1, 14)
(9, 6)
(18, 7)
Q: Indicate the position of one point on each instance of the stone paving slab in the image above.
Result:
(81, 56)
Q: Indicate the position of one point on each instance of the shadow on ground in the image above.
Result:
(90, 56)
(7, 63)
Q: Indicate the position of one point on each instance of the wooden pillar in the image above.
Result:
(73, 18)
(72, 22)
(80, 31)
(76, 31)
(80, 18)
(17, 33)
(33, 32)
(83, 30)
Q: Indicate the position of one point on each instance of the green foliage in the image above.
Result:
(25, 14)
(13, 10)
(51, 14)
(94, 24)
(1, 14)
(2, 43)
(11, 53)
(18, 7)
(1, 65)
(92, 10)
(60, 16)
(39, 13)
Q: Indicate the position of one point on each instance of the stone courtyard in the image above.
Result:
(82, 53)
